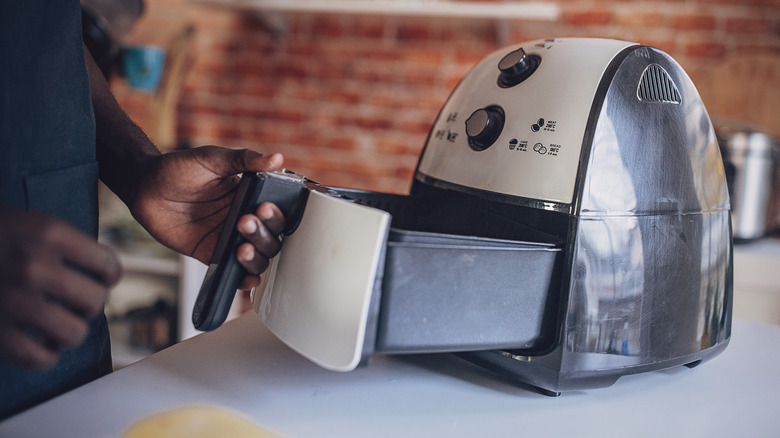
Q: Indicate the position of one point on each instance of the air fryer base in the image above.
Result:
(552, 381)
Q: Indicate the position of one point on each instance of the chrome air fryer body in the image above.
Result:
(606, 147)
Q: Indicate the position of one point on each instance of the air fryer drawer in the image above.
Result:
(444, 292)
(346, 284)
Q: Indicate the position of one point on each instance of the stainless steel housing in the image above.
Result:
(647, 278)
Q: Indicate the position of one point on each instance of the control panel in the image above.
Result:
(516, 123)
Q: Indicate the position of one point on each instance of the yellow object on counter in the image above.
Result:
(197, 422)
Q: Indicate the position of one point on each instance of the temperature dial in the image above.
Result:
(516, 67)
(484, 126)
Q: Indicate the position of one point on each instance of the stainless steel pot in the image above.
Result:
(751, 162)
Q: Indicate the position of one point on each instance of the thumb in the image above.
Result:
(246, 160)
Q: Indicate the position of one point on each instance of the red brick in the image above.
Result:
(390, 98)
(306, 137)
(422, 77)
(634, 20)
(375, 74)
(418, 127)
(201, 109)
(185, 131)
(392, 147)
(251, 67)
(455, 77)
(373, 123)
(211, 66)
(370, 27)
(383, 54)
(341, 143)
(749, 24)
(286, 115)
(404, 173)
(762, 3)
(255, 87)
(470, 31)
(667, 45)
(345, 96)
(694, 22)
(226, 131)
(260, 133)
(335, 70)
(329, 25)
(301, 49)
(705, 50)
(767, 48)
(424, 55)
(587, 18)
(248, 112)
(416, 30)
(292, 70)
(471, 57)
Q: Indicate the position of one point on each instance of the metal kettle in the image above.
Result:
(751, 162)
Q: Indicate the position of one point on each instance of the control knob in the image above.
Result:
(516, 67)
(484, 126)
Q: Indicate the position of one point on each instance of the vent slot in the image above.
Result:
(657, 86)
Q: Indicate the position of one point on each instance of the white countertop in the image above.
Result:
(242, 367)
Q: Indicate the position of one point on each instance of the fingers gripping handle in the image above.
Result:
(289, 193)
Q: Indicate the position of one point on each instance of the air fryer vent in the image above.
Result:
(657, 86)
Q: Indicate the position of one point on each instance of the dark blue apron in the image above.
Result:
(48, 162)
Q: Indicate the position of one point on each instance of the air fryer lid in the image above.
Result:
(522, 138)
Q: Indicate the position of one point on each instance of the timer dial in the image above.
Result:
(516, 67)
(484, 126)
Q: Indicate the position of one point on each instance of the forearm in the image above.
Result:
(123, 150)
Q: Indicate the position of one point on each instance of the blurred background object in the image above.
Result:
(105, 25)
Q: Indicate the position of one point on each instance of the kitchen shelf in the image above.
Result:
(538, 10)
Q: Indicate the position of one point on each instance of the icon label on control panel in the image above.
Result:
(518, 145)
(550, 150)
(546, 44)
(544, 125)
(446, 134)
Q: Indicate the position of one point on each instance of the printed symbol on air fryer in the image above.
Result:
(517, 145)
(545, 125)
(446, 134)
(545, 45)
(452, 117)
(540, 148)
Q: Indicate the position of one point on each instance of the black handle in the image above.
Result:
(225, 272)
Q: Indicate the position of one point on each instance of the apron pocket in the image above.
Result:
(69, 194)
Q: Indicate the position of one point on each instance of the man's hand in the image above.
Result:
(52, 280)
(183, 200)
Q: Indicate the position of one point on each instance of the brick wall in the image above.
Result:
(349, 99)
